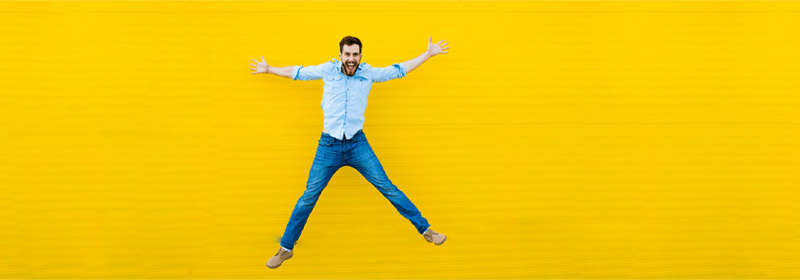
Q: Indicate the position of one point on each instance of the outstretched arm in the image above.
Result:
(433, 50)
(261, 67)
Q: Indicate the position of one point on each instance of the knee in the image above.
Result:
(308, 199)
(387, 188)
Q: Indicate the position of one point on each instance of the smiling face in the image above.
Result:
(350, 57)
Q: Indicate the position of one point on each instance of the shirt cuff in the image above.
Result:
(296, 72)
(401, 68)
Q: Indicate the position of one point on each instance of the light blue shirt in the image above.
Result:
(344, 98)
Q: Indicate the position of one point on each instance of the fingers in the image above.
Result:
(445, 48)
(430, 39)
(256, 65)
(440, 41)
(445, 44)
(444, 52)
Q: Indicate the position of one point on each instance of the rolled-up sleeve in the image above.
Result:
(394, 71)
(308, 73)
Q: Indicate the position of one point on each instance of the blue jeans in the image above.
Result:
(332, 154)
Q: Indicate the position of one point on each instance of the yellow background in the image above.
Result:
(562, 140)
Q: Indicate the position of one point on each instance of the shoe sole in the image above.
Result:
(280, 263)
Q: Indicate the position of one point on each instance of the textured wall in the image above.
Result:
(556, 140)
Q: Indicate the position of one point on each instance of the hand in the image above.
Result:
(434, 49)
(260, 67)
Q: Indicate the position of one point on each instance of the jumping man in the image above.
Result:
(343, 143)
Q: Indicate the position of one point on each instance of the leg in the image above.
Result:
(326, 162)
(362, 158)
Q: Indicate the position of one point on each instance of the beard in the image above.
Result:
(349, 71)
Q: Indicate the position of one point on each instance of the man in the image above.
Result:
(344, 100)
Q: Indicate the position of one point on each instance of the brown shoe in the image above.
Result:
(276, 260)
(435, 237)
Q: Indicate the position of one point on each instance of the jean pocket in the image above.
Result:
(359, 137)
(326, 141)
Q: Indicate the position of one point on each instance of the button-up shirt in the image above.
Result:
(344, 98)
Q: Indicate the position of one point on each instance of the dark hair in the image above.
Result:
(349, 40)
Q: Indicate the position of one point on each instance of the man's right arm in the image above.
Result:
(291, 72)
(285, 72)
(261, 67)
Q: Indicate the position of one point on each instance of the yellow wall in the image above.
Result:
(556, 140)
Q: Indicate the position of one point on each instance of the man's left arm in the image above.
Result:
(433, 50)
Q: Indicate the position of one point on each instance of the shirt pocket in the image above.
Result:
(332, 83)
(364, 85)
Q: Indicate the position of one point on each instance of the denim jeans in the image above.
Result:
(331, 155)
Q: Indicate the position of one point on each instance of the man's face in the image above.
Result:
(350, 57)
